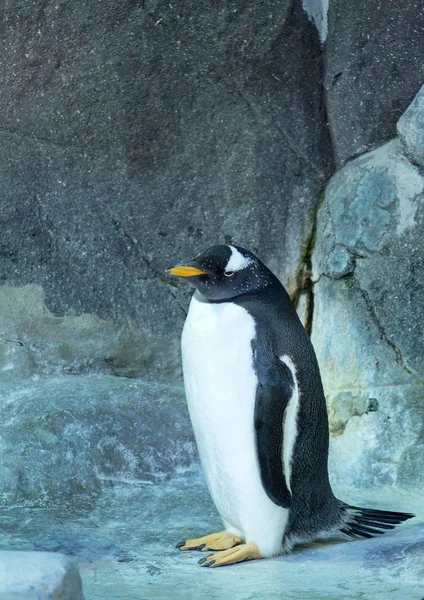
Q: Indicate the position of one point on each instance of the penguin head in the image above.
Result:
(224, 272)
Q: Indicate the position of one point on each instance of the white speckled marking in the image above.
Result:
(290, 422)
(237, 260)
(220, 384)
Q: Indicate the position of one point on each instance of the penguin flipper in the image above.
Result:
(274, 392)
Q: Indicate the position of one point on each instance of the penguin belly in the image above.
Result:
(220, 383)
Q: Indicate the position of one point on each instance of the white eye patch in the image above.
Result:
(237, 261)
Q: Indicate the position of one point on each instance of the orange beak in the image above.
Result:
(185, 271)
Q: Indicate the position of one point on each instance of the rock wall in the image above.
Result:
(138, 133)
(367, 327)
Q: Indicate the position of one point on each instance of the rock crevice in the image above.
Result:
(371, 309)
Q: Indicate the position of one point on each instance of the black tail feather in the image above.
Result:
(367, 522)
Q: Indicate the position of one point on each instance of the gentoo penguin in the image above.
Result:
(259, 415)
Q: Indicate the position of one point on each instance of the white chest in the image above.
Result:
(220, 384)
(218, 370)
(220, 387)
(217, 352)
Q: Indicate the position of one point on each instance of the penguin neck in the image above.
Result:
(272, 293)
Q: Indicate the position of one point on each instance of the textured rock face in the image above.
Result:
(34, 341)
(138, 133)
(374, 62)
(65, 440)
(368, 327)
(38, 576)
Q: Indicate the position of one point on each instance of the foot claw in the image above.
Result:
(201, 547)
(180, 544)
(202, 560)
(209, 564)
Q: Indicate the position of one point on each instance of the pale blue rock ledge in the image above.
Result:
(86, 471)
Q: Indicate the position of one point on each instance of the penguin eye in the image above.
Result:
(228, 273)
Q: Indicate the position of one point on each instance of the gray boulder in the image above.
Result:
(374, 66)
(38, 576)
(368, 325)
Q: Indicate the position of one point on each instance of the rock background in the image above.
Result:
(135, 133)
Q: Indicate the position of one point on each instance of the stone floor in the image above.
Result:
(125, 550)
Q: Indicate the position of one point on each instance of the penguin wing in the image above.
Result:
(273, 395)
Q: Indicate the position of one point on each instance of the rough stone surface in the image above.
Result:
(65, 440)
(34, 341)
(38, 576)
(368, 326)
(134, 134)
(125, 549)
(411, 129)
(374, 63)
